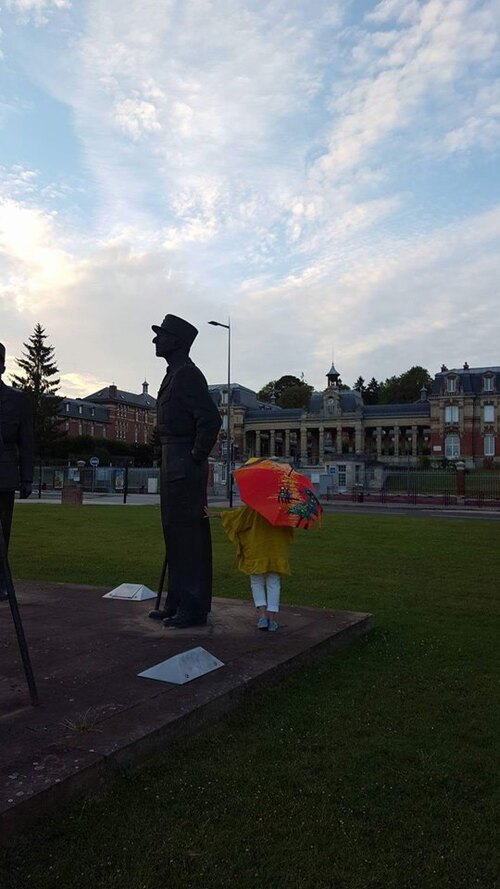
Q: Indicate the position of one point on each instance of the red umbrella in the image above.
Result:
(277, 492)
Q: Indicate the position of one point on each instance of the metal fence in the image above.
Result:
(433, 486)
(100, 480)
(482, 487)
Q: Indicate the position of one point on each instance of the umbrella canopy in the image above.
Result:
(279, 493)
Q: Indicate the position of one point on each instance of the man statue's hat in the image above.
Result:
(178, 327)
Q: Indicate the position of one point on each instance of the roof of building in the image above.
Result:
(82, 409)
(415, 408)
(240, 395)
(271, 411)
(333, 372)
(111, 395)
(470, 380)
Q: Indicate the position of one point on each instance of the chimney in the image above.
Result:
(145, 387)
(423, 394)
(113, 394)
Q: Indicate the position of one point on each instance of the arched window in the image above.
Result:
(452, 447)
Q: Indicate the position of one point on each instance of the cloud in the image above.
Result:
(261, 160)
(431, 48)
(36, 269)
(77, 385)
(36, 10)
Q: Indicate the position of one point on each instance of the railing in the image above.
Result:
(99, 480)
(431, 487)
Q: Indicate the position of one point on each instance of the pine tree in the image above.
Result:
(40, 381)
(371, 392)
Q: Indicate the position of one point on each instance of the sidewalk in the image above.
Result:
(329, 506)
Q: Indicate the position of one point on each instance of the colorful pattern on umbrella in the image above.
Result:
(279, 493)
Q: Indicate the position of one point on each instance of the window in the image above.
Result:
(92, 411)
(451, 413)
(224, 422)
(452, 447)
(451, 384)
(67, 408)
(224, 397)
(488, 384)
(80, 409)
(489, 445)
(342, 476)
(330, 406)
(489, 413)
(79, 428)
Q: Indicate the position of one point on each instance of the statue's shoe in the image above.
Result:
(180, 622)
(162, 613)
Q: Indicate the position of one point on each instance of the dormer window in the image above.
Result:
(67, 408)
(488, 383)
(80, 409)
(451, 384)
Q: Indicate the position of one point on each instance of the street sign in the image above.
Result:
(332, 470)
(94, 461)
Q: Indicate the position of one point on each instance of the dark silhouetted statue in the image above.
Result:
(16, 449)
(188, 425)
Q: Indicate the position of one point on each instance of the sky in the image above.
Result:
(325, 174)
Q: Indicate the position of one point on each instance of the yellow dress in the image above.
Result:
(261, 548)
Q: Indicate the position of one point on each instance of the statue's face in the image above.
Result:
(165, 343)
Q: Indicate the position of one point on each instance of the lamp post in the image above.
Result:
(229, 478)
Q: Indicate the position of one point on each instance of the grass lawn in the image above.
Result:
(376, 768)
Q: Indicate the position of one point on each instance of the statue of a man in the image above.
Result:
(16, 449)
(188, 425)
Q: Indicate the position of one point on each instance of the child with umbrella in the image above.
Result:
(277, 499)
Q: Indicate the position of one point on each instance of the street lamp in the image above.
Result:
(228, 445)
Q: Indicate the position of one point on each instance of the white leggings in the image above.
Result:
(260, 583)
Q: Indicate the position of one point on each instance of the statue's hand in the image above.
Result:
(25, 492)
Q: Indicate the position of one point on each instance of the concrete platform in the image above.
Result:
(96, 714)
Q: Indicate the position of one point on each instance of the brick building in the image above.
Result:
(465, 404)
(112, 413)
(458, 418)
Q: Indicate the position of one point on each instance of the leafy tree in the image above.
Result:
(299, 394)
(371, 392)
(40, 381)
(359, 385)
(405, 388)
(82, 447)
(296, 396)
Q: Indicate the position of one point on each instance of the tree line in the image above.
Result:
(290, 391)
